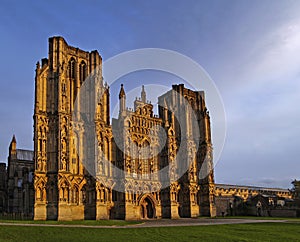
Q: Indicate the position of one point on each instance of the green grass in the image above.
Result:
(77, 222)
(260, 218)
(233, 232)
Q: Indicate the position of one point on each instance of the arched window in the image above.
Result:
(75, 195)
(134, 158)
(145, 157)
(82, 72)
(40, 145)
(106, 148)
(190, 116)
(72, 76)
(72, 68)
(64, 193)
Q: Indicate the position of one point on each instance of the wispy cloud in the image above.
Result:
(263, 117)
(277, 57)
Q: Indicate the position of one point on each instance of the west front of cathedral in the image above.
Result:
(134, 173)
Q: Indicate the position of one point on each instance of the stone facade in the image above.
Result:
(231, 198)
(296, 189)
(3, 188)
(66, 190)
(20, 191)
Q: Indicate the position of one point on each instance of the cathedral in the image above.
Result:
(136, 165)
(133, 170)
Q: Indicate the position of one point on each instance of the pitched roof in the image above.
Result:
(228, 186)
(26, 155)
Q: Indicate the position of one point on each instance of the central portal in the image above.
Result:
(147, 209)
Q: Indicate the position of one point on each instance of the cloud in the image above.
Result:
(262, 113)
(275, 56)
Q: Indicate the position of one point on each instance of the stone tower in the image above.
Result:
(64, 189)
(184, 114)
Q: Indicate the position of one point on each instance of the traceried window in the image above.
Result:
(134, 158)
(20, 182)
(72, 76)
(72, 68)
(82, 72)
(145, 159)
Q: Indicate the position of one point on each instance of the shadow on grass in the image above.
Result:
(77, 222)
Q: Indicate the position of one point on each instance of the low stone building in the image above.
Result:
(20, 171)
(3, 188)
(250, 200)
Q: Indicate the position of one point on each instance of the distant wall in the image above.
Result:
(284, 213)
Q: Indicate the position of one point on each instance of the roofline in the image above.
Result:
(25, 150)
(253, 187)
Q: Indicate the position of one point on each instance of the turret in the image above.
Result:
(143, 94)
(122, 99)
(13, 146)
(166, 114)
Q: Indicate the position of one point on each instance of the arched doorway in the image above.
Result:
(147, 208)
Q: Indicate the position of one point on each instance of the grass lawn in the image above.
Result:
(234, 232)
(77, 222)
(261, 218)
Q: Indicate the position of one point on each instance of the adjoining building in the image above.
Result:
(20, 190)
(3, 188)
(252, 200)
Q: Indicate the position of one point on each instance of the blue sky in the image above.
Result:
(251, 49)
